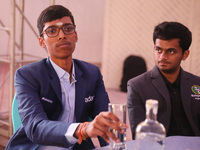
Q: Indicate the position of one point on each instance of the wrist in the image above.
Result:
(82, 135)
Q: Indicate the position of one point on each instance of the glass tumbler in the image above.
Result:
(120, 111)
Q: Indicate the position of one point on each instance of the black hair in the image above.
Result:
(51, 13)
(172, 30)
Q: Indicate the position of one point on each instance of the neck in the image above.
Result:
(171, 77)
(65, 64)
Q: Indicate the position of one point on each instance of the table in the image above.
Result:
(171, 143)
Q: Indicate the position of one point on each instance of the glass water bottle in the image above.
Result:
(150, 134)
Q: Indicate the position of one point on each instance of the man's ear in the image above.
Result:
(186, 54)
(76, 36)
(41, 42)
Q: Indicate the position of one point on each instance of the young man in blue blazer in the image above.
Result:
(57, 96)
(177, 91)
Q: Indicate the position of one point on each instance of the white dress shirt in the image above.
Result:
(68, 103)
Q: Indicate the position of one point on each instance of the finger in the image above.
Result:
(97, 130)
(123, 125)
(105, 131)
(114, 125)
(114, 118)
(104, 136)
(93, 126)
(107, 119)
(110, 115)
(104, 119)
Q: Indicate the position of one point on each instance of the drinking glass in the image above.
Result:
(120, 111)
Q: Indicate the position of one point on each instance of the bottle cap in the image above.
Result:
(152, 104)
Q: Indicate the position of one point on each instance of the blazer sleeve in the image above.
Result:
(135, 105)
(38, 128)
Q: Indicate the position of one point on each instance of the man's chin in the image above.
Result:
(166, 70)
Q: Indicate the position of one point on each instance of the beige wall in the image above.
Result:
(129, 27)
(110, 30)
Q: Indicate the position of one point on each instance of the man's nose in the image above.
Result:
(163, 55)
(61, 34)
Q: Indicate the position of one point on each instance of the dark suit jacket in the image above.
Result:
(151, 85)
(39, 102)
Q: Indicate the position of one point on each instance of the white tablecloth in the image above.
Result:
(171, 143)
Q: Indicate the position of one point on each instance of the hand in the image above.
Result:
(101, 125)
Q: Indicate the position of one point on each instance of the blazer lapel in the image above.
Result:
(55, 82)
(81, 84)
(159, 84)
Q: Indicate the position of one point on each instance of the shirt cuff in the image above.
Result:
(70, 132)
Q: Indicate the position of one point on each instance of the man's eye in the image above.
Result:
(51, 30)
(171, 52)
(158, 50)
(68, 29)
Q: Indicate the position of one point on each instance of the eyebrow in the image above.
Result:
(58, 26)
(165, 49)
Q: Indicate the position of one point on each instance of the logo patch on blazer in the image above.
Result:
(89, 99)
(196, 89)
(47, 100)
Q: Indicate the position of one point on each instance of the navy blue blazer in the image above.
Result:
(150, 85)
(39, 103)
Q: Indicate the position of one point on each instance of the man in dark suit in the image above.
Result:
(177, 91)
(57, 96)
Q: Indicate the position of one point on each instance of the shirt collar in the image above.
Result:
(177, 82)
(60, 72)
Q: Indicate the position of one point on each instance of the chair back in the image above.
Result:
(133, 66)
(16, 120)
